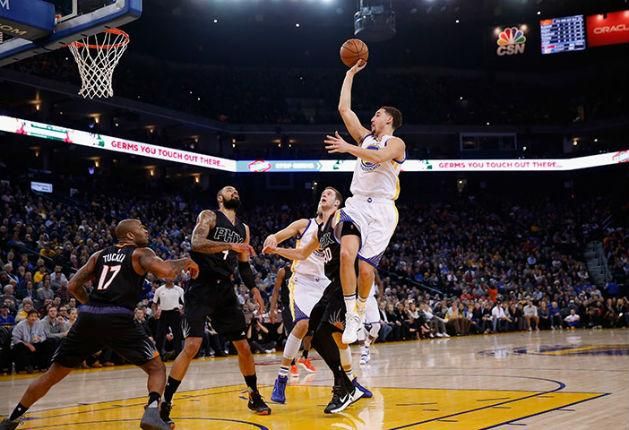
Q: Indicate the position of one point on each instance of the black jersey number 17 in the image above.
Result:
(107, 276)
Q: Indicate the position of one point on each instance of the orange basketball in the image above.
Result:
(354, 50)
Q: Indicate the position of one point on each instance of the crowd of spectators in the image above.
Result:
(310, 95)
(451, 269)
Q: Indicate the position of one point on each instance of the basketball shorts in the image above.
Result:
(329, 309)
(214, 298)
(305, 291)
(105, 327)
(376, 219)
(372, 314)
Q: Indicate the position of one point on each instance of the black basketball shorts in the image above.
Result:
(100, 327)
(214, 298)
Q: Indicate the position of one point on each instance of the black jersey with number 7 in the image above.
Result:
(116, 283)
(222, 264)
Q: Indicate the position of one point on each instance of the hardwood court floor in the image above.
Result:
(547, 380)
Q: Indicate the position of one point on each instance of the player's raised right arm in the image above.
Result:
(200, 243)
(292, 230)
(350, 119)
(294, 253)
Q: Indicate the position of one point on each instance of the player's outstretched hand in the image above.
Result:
(194, 269)
(270, 241)
(360, 64)
(243, 248)
(336, 144)
(269, 249)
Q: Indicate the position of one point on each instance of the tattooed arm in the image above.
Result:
(81, 277)
(147, 261)
(206, 222)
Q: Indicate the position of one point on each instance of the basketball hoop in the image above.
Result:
(97, 56)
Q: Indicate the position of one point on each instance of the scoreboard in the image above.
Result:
(563, 34)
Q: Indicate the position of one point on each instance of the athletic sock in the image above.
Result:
(19, 410)
(350, 303)
(361, 304)
(154, 399)
(304, 354)
(283, 371)
(171, 388)
(252, 382)
(346, 362)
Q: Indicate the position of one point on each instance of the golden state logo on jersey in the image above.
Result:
(369, 166)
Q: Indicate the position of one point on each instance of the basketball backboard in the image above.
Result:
(56, 27)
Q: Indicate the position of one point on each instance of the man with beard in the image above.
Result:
(220, 244)
(106, 318)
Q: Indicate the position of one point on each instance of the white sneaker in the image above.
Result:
(439, 335)
(352, 325)
(446, 335)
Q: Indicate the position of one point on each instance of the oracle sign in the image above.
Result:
(608, 29)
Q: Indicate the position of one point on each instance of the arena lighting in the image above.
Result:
(108, 143)
(374, 21)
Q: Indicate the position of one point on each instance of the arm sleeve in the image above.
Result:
(244, 268)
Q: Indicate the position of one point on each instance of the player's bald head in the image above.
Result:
(127, 226)
(132, 231)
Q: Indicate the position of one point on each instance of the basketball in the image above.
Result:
(352, 51)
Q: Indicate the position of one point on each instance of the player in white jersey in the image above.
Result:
(371, 209)
(306, 286)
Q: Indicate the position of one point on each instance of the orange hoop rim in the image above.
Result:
(115, 31)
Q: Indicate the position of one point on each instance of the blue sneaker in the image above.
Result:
(279, 390)
(366, 393)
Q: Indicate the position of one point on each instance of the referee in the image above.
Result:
(167, 308)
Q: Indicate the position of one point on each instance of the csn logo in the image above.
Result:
(511, 41)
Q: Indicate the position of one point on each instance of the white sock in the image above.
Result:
(350, 303)
(361, 304)
(283, 371)
(346, 361)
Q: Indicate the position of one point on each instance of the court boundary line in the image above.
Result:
(557, 389)
(545, 412)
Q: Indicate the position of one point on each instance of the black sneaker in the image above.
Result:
(164, 413)
(341, 399)
(257, 405)
(5, 424)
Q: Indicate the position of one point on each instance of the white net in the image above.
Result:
(97, 56)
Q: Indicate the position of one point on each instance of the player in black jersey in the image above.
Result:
(220, 245)
(327, 318)
(106, 318)
(281, 292)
